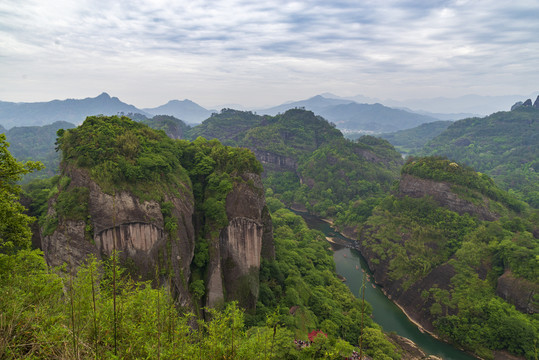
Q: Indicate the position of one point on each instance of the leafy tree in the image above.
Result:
(14, 224)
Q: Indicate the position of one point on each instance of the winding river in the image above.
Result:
(350, 264)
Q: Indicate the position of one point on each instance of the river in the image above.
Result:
(350, 264)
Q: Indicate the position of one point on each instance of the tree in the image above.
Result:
(14, 231)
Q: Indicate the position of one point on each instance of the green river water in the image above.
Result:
(350, 264)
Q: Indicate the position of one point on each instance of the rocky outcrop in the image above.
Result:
(275, 162)
(133, 227)
(519, 292)
(410, 350)
(441, 192)
(236, 254)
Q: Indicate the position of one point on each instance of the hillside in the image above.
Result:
(173, 127)
(37, 143)
(308, 163)
(412, 140)
(504, 145)
(70, 110)
(449, 248)
(188, 218)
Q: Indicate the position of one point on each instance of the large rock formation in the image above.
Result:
(519, 292)
(236, 253)
(136, 229)
(441, 192)
(133, 227)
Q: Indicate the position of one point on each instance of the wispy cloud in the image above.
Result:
(148, 52)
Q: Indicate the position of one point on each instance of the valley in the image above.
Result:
(200, 213)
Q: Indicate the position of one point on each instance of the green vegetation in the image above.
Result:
(309, 162)
(226, 126)
(300, 288)
(14, 223)
(174, 128)
(503, 145)
(102, 313)
(412, 238)
(36, 143)
(441, 169)
(122, 154)
(410, 141)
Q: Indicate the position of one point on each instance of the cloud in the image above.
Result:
(230, 47)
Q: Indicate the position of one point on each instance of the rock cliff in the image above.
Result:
(176, 199)
(519, 292)
(133, 227)
(237, 251)
(441, 192)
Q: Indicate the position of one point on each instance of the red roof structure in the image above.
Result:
(313, 334)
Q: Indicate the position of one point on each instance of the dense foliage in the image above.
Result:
(411, 238)
(36, 143)
(100, 312)
(174, 128)
(226, 126)
(309, 163)
(504, 145)
(412, 140)
(14, 231)
(301, 287)
(441, 169)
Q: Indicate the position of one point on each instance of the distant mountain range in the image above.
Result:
(185, 110)
(348, 114)
(351, 116)
(445, 108)
(70, 110)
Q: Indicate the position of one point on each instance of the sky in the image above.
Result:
(260, 53)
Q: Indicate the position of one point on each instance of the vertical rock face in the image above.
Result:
(133, 227)
(519, 292)
(248, 237)
(136, 229)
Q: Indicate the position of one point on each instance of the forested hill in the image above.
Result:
(37, 143)
(308, 163)
(412, 140)
(504, 145)
(449, 247)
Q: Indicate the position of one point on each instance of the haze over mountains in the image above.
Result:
(349, 114)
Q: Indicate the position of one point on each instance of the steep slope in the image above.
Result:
(444, 244)
(172, 208)
(71, 110)
(504, 145)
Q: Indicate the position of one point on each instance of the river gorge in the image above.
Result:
(351, 265)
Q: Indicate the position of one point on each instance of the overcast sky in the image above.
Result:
(259, 53)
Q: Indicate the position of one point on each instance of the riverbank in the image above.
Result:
(389, 315)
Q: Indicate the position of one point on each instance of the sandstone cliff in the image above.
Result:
(519, 292)
(236, 253)
(133, 227)
(441, 192)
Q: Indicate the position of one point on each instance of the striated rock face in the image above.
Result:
(236, 254)
(133, 227)
(519, 292)
(275, 162)
(441, 192)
